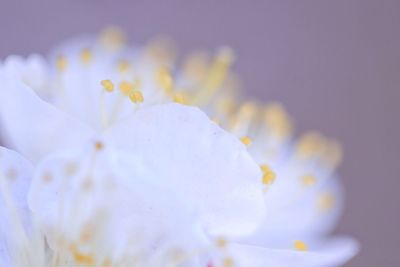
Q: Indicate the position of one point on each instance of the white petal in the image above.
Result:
(334, 253)
(15, 175)
(127, 211)
(32, 126)
(208, 166)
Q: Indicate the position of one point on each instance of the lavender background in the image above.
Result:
(334, 64)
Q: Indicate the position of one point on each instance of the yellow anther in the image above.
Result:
(333, 154)
(123, 66)
(112, 38)
(277, 120)
(308, 180)
(99, 146)
(228, 262)
(126, 88)
(61, 63)
(164, 79)
(81, 258)
(47, 177)
(86, 56)
(179, 98)
(196, 66)
(300, 245)
(326, 201)
(268, 175)
(161, 49)
(246, 140)
(221, 242)
(136, 96)
(310, 145)
(107, 85)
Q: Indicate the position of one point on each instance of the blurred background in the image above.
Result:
(334, 64)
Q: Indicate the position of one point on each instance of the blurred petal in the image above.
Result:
(333, 253)
(32, 126)
(208, 166)
(15, 175)
(89, 190)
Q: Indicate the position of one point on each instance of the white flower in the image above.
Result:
(121, 176)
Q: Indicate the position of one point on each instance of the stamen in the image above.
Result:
(308, 180)
(162, 50)
(165, 80)
(61, 63)
(136, 96)
(99, 146)
(333, 154)
(326, 201)
(123, 66)
(277, 120)
(310, 145)
(268, 175)
(107, 85)
(228, 262)
(86, 56)
(179, 98)
(112, 38)
(246, 140)
(126, 88)
(300, 245)
(221, 242)
(196, 66)
(216, 75)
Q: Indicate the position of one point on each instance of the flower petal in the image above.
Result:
(208, 166)
(86, 194)
(31, 126)
(15, 178)
(335, 252)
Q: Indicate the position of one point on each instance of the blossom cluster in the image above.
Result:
(119, 155)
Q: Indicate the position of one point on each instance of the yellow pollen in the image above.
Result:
(81, 258)
(164, 79)
(47, 177)
(300, 245)
(112, 38)
(61, 63)
(99, 146)
(107, 85)
(333, 154)
(161, 49)
(86, 56)
(310, 144)
(277, 120)
(123, 66)
(246, 140)
(126, 88)
(221, 242)
(178, 98)
(268, 175)
(136, 96)
(228, 262)
(308, 180)
(326, 201)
